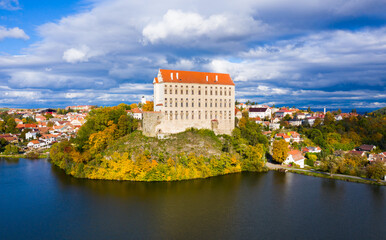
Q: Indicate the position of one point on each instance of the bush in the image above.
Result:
(32, 155)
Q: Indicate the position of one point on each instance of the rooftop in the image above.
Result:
(176, 76)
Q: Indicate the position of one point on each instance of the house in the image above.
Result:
(295, 137)
(295, 156)
(136, 113)
(366, 148)
(33, 144)
(30, 135)
(261, 112)
(283, 136)
(282, 113)
(377, 157)
(312, 150)
(274, 126)
(357, 153)
(9, 137)
(295, 123)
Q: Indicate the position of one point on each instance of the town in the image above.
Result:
(32, 132)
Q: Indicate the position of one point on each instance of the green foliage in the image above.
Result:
(101, 118)
(376, 170)
(3, 144)
(32, 155)
(11, 125)
(11, 149)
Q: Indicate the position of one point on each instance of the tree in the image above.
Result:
(123, 125)
(2, 127)
(376, 170)
(309, 110)
(133, 105)
(148, 107)
(328, 119)
(11, 149)
(11, 125)
(280, 151)
(339, 111)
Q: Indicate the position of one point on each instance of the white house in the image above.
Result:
(283, 113)
(136, 113)
(261, 112)
(30, 135)
(295, 156)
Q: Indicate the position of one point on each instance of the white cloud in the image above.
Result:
(74, 55)
(9, 4)
(12, 33)
(177, 24)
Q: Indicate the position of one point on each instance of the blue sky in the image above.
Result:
(302, 52)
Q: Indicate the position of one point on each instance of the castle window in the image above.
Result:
(220, 102)
(215, 115)
(225, 103)
(211, 103)
(171, 102)
(192, 102)
(215, 103)
(225, 92)
(192, 114)
(206, 102)
(199, 102)
(171, 115)
(176, 103)
(182, 115)
(176, 115)
(199, 114)
(166, 90)
(220, 114)
(210, 114)
(166, 115)
(187, 115)
(230, 115)
(182, 102)
(166, 102)
(187, 103)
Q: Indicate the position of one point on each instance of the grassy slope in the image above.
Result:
(187, 142)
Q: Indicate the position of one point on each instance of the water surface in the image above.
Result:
(38, 201)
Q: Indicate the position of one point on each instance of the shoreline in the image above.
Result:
(341, 177)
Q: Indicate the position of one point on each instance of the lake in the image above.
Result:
(38, 201)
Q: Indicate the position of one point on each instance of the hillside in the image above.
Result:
(201, 142)
(381, 111)
(188, 155)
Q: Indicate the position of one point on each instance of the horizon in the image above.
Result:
(303, 53)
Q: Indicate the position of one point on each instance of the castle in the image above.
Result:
(186, 99)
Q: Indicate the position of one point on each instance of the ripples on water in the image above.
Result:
(38, 201)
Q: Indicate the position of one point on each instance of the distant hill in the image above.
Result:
(381, 111)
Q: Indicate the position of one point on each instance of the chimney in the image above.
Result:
(177, 76)
(216, 78)
(171, 76)
(206, 78)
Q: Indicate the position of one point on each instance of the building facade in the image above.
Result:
(186, 99)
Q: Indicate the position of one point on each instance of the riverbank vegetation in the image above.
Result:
(109, 146)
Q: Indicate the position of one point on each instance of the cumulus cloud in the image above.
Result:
(275, 50)
(12, 33)
(74, 55)
(177, 24)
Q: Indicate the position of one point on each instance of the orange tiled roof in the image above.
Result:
(195, 77)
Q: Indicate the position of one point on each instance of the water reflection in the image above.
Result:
(238, 206)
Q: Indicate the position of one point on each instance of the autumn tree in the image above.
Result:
(2, 127)
(280, 151)
(148, 107)
(329, 119)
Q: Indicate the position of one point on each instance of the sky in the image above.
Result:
(318, 53)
